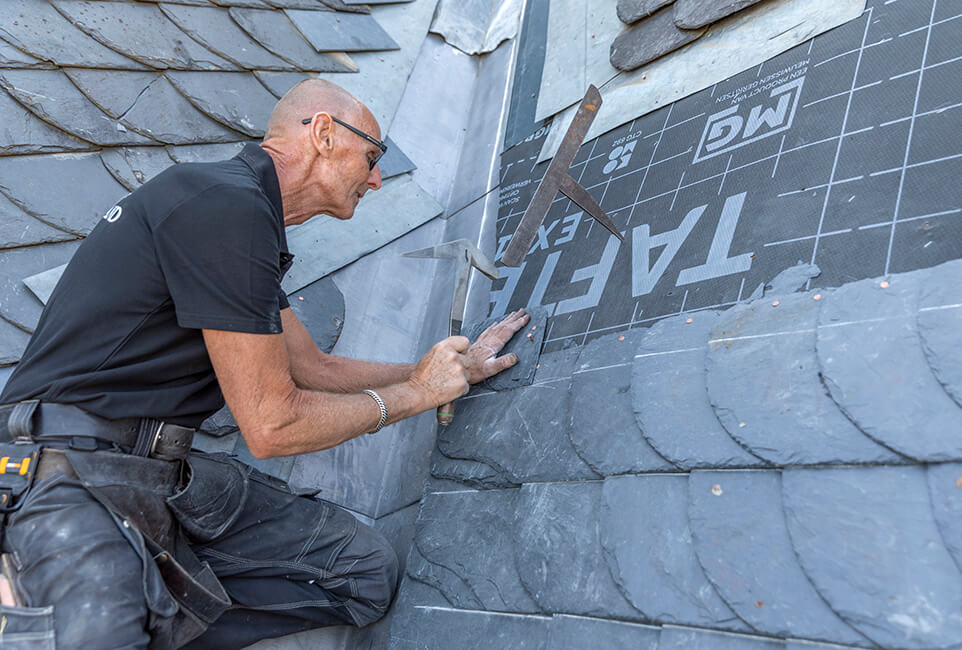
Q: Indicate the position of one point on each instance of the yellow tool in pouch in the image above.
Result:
(18, 466)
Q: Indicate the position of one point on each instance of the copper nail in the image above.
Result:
(716, 490)
(884, 284)
(776, 304)
(689, 320)
(817, 296)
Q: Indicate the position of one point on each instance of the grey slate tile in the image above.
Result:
(320, 307)
(527, 349)
(647, 542)
(763, 382)
(394, 162)
(670, 398)
(235, 99)
(872, 363)
(578, 633)
(519, 432)
(134, 166)
(151, 106)
(220, 425)
(24, 133)
(142, 32)
(279, 467)
(330, 31)
(743, 545)
(51, 96)
(25, 180)
(475, 474)
(205, 152)
(42, 284)
(938, 322)
(11, 57)
(602, 427)
(556, 546)
(692, 14)
(17, 303)
(354, 7)
(631, 10)
(429, 629)
(40, 30)
(274, 31)
(278, 83)
(17, 228)
(678, 638)
(471, 534)
(649, 39)
(444, 583)
(215, 29)
(13, 341)
(945, 491)
(867, 540)
(5, 372)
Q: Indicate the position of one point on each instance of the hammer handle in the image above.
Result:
(445, 414)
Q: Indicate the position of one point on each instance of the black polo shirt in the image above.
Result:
(201, 245)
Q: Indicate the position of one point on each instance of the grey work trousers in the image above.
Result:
(288, 562)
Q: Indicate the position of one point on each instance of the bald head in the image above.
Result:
(307, 98)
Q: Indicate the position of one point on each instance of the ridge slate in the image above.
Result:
(602, 428)
(734, 513)
(866, 330)
(25, 180)
(17, 228)
(236, 100)
(876, 584)
(646, 540)
(330, 31)
(25, 133)
(51, 96)
(471, 535)
(41, 31)
(692, 14)
(650, 39)
(213, 28)
(134, 166)
(519, 432)
(670, 398)
(630, 11)
(276, 33)
(764, 385)
(556, 524)
(939, 317)
(142, 32)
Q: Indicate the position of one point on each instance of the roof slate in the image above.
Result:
(338, 31)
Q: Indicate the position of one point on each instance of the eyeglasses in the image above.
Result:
(377, 143)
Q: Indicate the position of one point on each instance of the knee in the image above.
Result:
(376, 588)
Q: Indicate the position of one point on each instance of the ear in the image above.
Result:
(322, 134)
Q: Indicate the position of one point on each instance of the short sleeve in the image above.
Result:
(219, 252)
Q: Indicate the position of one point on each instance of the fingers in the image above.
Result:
(496, 365)
(459, 343)
(498, 334)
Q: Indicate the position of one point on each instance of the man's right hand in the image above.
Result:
(441, 375)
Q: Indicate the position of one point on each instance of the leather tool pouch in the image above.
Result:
(18, 466)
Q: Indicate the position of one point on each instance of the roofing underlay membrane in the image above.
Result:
(738, 428)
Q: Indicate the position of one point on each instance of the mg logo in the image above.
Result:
(740, 125)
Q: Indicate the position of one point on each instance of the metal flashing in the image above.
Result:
(477, 26)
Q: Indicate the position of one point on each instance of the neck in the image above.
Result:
(292, 181)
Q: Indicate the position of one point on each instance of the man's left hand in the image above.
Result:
(483, 361)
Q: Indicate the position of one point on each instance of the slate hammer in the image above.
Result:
(465, 255)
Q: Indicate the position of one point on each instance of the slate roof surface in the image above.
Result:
(771, 469)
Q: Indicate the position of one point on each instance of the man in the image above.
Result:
(172, 305)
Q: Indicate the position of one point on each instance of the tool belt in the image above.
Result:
(70, 427)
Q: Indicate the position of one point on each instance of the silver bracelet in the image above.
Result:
(382, 406)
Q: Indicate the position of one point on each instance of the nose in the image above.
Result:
(374, 178)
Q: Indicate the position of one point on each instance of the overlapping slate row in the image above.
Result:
(741, 540)
(601, 425)
(871, 360)
(940, 310)
(520, 432)
(670, 397)
(763, 383)
(658, 27)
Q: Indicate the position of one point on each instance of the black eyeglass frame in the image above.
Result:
(377, 143)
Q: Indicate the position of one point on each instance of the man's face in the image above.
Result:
(352, 174)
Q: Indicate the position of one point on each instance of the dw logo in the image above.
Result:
(732, 128)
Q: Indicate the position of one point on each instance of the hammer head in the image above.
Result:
(460, 249)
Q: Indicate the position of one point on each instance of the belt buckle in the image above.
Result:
(154, 439)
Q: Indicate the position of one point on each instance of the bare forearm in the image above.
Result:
(333, 374)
